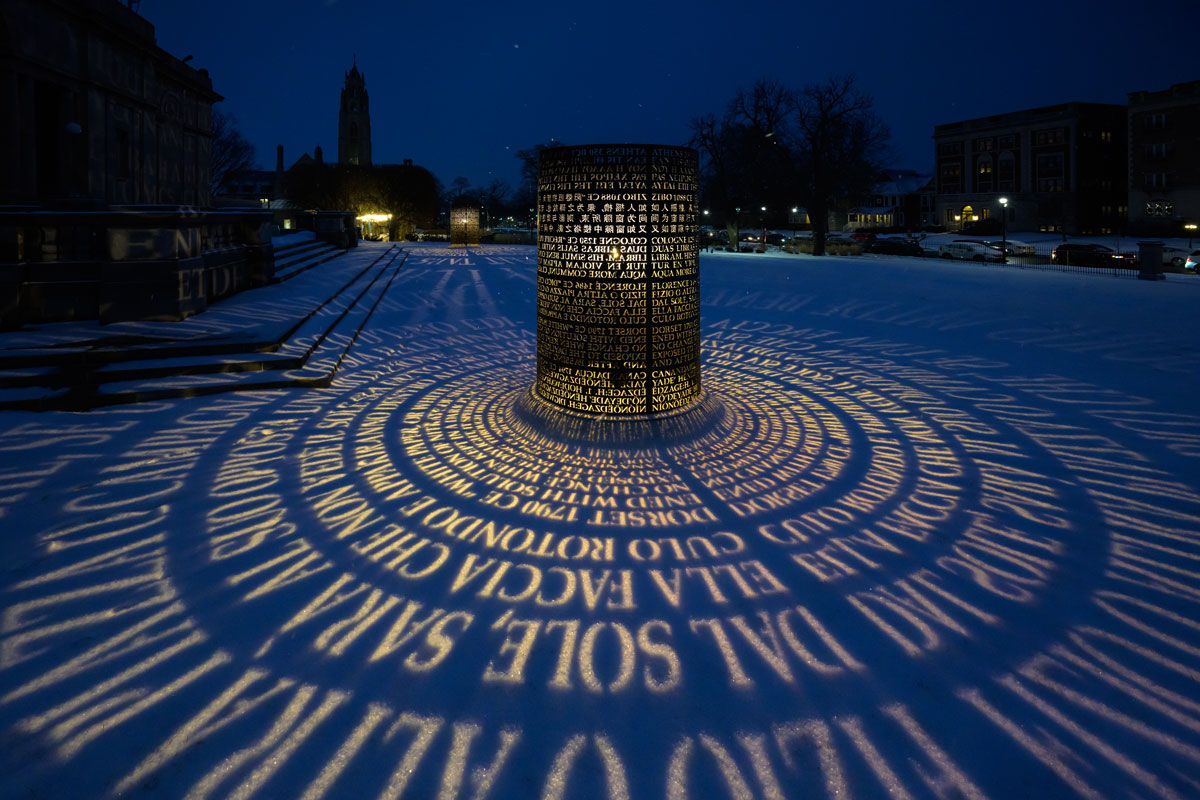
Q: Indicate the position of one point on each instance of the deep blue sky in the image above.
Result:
(460, 86)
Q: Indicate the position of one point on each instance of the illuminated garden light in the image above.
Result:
(464, 226)
(618, 326)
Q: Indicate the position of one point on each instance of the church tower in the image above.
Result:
(354, 121)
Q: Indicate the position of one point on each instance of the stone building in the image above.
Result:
(105, 173)
(96, 111)
(354, 120)
(1164, 159)
(1062, 168)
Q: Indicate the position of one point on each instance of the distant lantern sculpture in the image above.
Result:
(464, 226)
(618, 280)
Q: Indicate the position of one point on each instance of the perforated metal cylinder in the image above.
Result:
(464, 226)
(618, 282)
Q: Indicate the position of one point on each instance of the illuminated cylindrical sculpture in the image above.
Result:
(464, 225)
(618, 280)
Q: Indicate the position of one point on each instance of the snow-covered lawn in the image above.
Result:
(935, 533)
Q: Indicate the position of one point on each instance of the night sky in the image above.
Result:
(460, 87)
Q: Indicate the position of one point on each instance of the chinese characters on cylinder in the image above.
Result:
(618, 281)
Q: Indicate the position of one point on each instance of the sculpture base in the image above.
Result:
(563, 425)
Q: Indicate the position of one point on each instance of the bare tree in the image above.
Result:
(841, 141)
(774, 146)
(747, 158)
(494, 198)
(231, 152)
(525, 197)
(460, 190)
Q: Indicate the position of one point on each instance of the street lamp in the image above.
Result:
(763, 224)
(795, 213)
(1004, 229)
(1191, 229)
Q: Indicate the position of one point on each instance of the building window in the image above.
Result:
(1050, 136)
(1106, 136)
(1160, 151)
(1156, 180)
(1051, 176)
(951, 178)
(1009, 141)
(983, 174)
(1006, 173)
(1156, 122)
(124, 155)
(984, 145)
(1160, 208)
(950, 149)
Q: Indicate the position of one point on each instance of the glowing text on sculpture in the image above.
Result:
(618, 278)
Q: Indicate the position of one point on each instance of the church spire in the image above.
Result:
(354, 119)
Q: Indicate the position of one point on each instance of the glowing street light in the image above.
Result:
(1004, 229)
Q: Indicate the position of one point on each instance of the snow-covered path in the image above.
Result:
(935, 532)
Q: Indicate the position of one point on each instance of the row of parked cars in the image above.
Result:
(963, 249)
(993, 250)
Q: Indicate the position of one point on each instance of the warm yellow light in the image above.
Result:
(1191, 226)
(616, 254)
(374, 217)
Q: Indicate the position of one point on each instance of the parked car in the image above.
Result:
(1090, 255)
(893, 247)
(862, 236)
(1174, 256)
(838, 240)
(1192, 263)
(970, 251)
(1012, 247)
(775, 238)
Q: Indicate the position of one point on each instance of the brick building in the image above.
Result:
(96, 111)
(1062, 168)
(1164, 159)
(105, 173)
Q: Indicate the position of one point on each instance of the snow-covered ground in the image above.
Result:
(938, 536)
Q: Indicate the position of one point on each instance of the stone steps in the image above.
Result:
(309, 354)
(293, 260)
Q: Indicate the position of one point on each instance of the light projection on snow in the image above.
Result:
(860, 567)
(618, 284)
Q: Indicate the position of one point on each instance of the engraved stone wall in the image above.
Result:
(618, 282)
